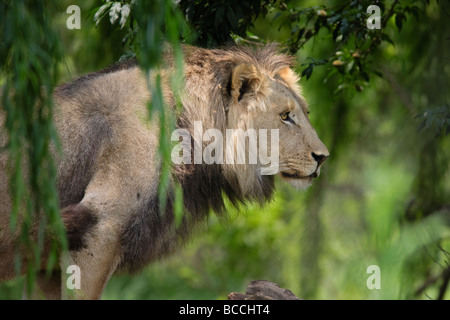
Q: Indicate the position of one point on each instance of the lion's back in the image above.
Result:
(97, 117)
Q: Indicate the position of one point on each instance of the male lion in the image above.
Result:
(108, 173)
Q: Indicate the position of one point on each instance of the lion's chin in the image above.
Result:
(297, 181)
(300, 184)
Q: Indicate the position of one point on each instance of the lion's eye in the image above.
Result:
(285, 117)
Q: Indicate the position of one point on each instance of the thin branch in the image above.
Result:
(389, 14)
(428, 282)
(444, 286)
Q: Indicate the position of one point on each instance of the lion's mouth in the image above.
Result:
(297, 175)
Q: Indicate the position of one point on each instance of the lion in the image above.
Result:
(109, 168)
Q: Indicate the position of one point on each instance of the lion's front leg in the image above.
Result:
(93, 267)
(94, 249)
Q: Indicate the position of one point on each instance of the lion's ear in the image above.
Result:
(246, 79)
(290, 77)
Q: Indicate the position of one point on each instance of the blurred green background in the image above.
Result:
(383, 197)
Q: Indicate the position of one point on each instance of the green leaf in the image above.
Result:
(231, 17)
(219, 17)
(399, 17)
(364, 75)
(277, 15)
(308, 71)
(385, 37)
(178, 206)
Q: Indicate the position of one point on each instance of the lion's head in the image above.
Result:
(252, 95)
(271, 99)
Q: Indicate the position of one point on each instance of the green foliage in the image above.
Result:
(437, 118)
(29, 55)
(216, 21)
(345, 25)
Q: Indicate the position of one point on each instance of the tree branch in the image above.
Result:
(263, 290)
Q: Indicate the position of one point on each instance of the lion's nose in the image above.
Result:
(319, 157)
